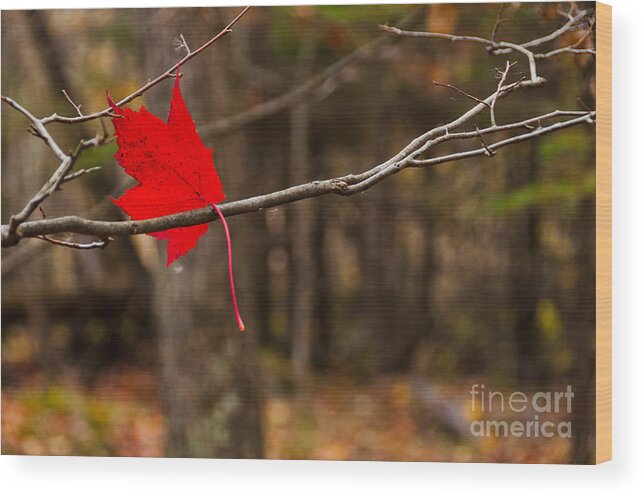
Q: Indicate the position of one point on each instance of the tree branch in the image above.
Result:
(505, 47)
(411, 156)
(345, 185)
(501, 83)
(76, 246)
(169, 73)
(38, 128)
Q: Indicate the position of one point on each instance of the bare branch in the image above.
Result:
(30, 250)
(76, 106)
(559, 51)
(420, 144)
(345, 186)
(497, 47)
(574, 47)
(569, 14)
(551, 36)
(410, 156)
(499, 21)
(47, 189)
(81, 172)
(540, 131)
(77, 246)
(37, 127)
(60, 175)
(488, 151)
(165, 75)
(530, 124)
(444, 36)
(501, 83)
(504, 47)
(535, 79)
(462, 92)
(184, 44)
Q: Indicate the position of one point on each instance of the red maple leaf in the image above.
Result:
(175, 172)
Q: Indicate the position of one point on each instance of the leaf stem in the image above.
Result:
(234, 296)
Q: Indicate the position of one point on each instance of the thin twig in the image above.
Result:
(496, 47)
(499, 21)
(504, 47)
(462, 92)
(51, 185)
(420, 144)
(537, 132)
(37, 127)
(79, 173)
(425, 34)
(531, 123)
(582, 104)
(569, 14)
(77, 246)
(488, 151)
(501, 83)
(551, 36)
(165, 75)
(72, 103)
(559, 51)
(185, 43)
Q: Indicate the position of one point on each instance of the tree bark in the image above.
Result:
(209, 370)
(302, 263)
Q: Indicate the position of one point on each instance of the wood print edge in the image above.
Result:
(603, 233)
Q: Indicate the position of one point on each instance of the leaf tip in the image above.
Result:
(171, 258)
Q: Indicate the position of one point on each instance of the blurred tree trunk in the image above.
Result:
(380, 245)
(301, 219)
(524, 289)
(582, 314)
(48, 272)
(209, 371)
(323, 305)
(582, 338)
(207, 368)
(52, 58)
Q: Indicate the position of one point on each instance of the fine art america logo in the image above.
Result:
(541, 414)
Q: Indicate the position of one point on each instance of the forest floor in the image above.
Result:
(388, 419)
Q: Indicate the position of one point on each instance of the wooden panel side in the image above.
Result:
(603, 233)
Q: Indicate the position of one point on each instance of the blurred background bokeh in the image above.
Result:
(369, 317)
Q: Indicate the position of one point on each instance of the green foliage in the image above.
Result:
(371, 14)
(541, 193)
(96, 156)
(57, 410)
(572, 141)
(281, 35)
(345, 21)
(549, 320)
(552, 330)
